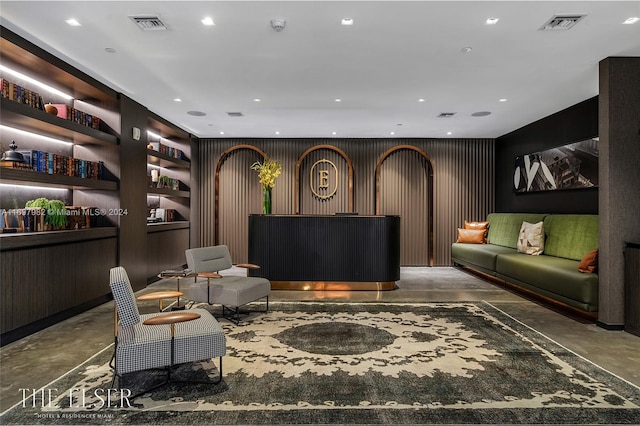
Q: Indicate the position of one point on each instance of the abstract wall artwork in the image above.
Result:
(571, 166)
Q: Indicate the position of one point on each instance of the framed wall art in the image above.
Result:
(571, 166)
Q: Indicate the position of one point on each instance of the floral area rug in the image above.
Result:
(356, 363)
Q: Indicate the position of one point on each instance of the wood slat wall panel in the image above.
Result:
(463, 186)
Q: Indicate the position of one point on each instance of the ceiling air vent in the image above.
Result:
(562, 22)
(446, 114)
(235, 114)
(149, 22)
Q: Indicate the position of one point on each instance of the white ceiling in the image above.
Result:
(395, 53)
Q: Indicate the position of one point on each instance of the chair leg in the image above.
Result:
(169, 380)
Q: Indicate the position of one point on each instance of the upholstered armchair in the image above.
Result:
(230, 291)
(159, 340)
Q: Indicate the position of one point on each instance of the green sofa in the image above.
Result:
(553, 274)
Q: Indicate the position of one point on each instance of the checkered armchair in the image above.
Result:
(140, 347)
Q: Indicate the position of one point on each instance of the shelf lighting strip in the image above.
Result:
(35, 82)
(26, 185)
(155, 135)
(25, 133)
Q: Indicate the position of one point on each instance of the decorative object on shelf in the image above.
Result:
(163, 181)
(154, 176)
(268, 172)
(55, 212)
(51, 109)
(12, 156)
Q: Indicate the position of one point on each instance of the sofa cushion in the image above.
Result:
(589, 263)
(481, 256)
(471, 236)
(531, 238)
(505, 227)
(478, 225)
(554, 274)
(571, 236)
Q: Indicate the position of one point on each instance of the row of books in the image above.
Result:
(20, 94)
(33, 220)
(47, 162)
(15, 92)
(72, 114)
(168, 150)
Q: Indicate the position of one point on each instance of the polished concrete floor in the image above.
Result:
(37, 360)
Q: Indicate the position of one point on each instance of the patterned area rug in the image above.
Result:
(364, 363)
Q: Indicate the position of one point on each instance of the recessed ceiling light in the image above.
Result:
(110, 50)
(347, 21)
(421, 100)
(277, 132)
(208, 21)
(333, 133)
(338, 100)
(466, 49)
(503, 100)
(177, 100)
(392, 133)
(257, 100)
(632, 20)
(222, 133)
(492, 21)
(73, 22)
(449, 133)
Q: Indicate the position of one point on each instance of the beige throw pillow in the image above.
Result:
(531, 238)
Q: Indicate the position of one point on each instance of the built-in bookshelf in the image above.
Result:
(168, 155)
(46, 273)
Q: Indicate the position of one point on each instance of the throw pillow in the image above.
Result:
(589, 262)
(531, 238)
(471, 236)
(478, 225)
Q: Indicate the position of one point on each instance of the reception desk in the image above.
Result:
(341, 252)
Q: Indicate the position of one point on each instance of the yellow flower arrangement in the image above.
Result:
(268, 171)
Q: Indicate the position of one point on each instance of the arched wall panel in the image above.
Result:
(404, 190)
(339, 179)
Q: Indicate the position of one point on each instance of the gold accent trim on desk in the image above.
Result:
(333, 285)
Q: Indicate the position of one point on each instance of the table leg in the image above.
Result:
(177, 306)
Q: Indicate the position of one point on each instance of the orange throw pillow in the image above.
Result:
(478, 225)
(589, 262)
(471, 236)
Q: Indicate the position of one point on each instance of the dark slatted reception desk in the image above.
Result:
(342, 252)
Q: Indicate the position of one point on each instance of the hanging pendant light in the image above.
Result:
(12, 155)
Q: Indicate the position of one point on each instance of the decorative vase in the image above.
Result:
(266, 200)
(51, 109)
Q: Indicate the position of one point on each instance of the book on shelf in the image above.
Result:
(168, 150)
(70, 113)
(176, 273)
(17, 93)
(58, 164)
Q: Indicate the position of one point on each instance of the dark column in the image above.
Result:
(133, 192)
(619, 170)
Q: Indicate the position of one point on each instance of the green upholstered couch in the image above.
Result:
(553, 274)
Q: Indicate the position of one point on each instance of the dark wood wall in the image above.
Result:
(574, 124)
